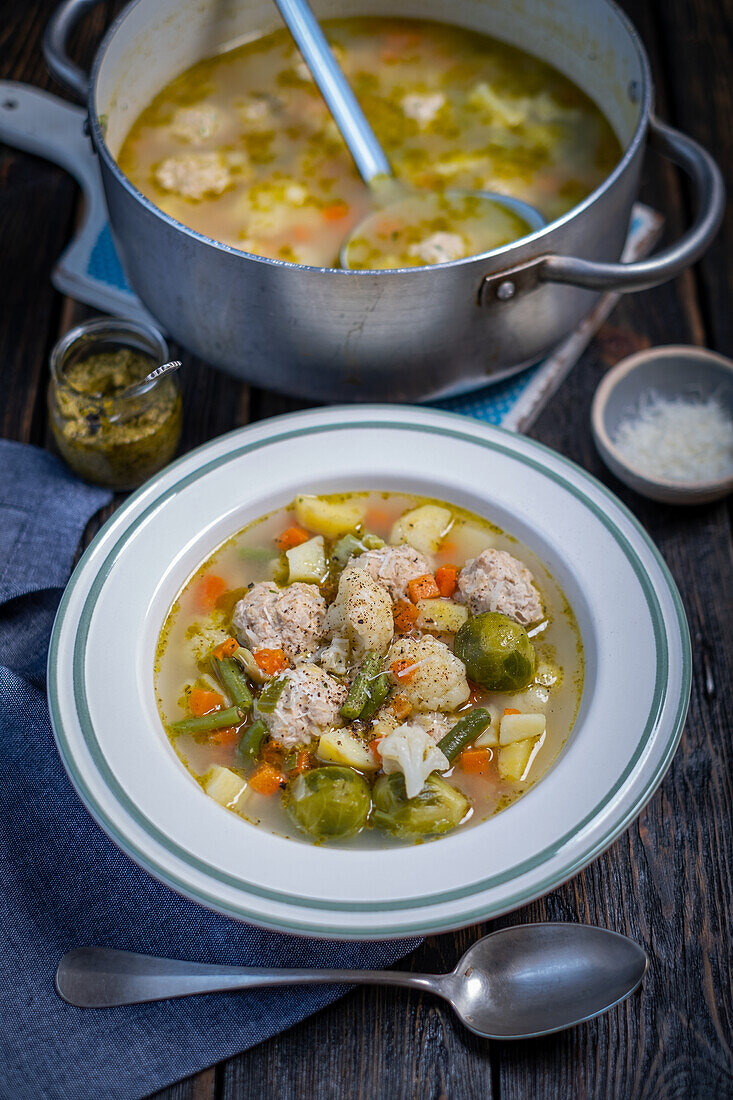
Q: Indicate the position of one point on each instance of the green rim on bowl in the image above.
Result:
(403, 928)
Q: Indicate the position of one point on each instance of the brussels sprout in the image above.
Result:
(496, 651)
(328, 802)
(437, 809)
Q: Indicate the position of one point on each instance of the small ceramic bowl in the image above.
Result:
(672, 371)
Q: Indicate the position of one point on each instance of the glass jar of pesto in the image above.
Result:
(105, 437)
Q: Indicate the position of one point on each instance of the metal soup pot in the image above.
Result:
(328, 334)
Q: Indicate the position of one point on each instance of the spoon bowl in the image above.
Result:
(535, 979)
(516, 983)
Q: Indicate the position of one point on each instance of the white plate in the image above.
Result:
(111, 741)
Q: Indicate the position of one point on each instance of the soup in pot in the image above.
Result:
(241, 147)
(369, 669)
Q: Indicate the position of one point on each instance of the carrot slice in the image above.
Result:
(266, 779)
(201, 702)
(303, 761)
(225, 649)
(403, 669)
(373, 747)
(271, 661)
(227, 736)
(405, 616)
(292, 536)
(423, 588)
(335, 212)
(208, 590)
(511, 710)
(446, 578)
(476, 761)
(401, 707)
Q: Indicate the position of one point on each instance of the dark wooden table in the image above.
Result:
(667, 881)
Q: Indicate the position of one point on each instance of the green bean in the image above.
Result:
(270, 694)
(252, 739)
(218, 719)
(466, 729)
(358, 693)
(379, 689)
(234, 680)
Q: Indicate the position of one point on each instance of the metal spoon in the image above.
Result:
(517, 983)
(361, 141)
(147, 383)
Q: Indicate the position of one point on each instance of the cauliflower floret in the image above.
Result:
(439, 679)
(361, 612)
(194, 175)
(423, 107)
(197, 123)
(495, 581)
(309, 705)
(335, 656)
(439, 248)
(291, 619)
(392, 566)
(411, 750)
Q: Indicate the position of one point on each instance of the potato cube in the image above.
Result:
(226, 787)
(514, 760)
(424, 527)
(328, 517)
(307, 562)
(343, 747)
(518, 727)
(443, 616)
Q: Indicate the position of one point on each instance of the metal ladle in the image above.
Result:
(360, 139)
(517, 983)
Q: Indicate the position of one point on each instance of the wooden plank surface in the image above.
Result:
(667, 881)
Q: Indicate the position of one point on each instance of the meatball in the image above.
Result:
(435, 724)
(309, 705)
(439, 680)
(194, 175)
(422, 106)
(197, 123)
(495, 581)
(439, 248)
(392, 566)
(361, 612)
(291, 619)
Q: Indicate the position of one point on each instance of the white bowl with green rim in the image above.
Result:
(110, 738)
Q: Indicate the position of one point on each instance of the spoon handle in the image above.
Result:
(357, 133)
(99, 977)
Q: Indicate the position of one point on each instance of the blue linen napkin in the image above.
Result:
(64, 884)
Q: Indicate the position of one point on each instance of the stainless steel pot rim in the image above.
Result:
(645, 105)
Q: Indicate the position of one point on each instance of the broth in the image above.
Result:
(201, 618)
(241, 146)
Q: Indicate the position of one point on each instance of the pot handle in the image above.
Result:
(59, 27)
(709, 189)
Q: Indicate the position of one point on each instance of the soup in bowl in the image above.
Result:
(369, 669)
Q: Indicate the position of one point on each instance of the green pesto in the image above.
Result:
(84, 406)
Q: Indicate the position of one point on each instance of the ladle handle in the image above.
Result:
(55, 38)
(709, 197)
(360, 139)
